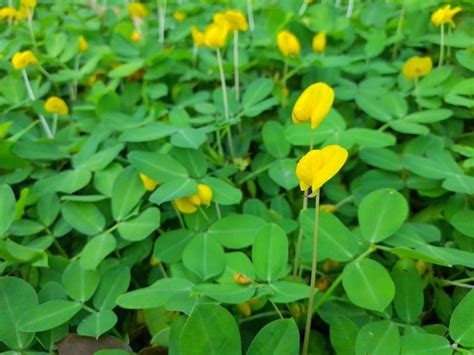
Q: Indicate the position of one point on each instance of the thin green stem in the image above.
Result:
(180, 217)
(250, 15)
(162, 269)
(225, 101)
(204, 214)
(314, 264)
(218, 211)
(43, 122)
(255, 173)
(277, 310)
(30, 27)
(300, 238)
(55, 124)
(236, 66)
(441, 46)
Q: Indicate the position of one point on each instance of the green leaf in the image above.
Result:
(140, 227)
(381, 158)
(286, 292)
(7, 208)
(369, 138)
(157, 166)
(429, 116)
(462, 221)
(409, 296)
(466, 58)
(170, 245)
(222, 192)
(169, 191)
(408, 127)
(85, 217)
(155, 295)
(150, 132)
(343, 332)
(368, 284)
(461, 325)
(227, 293)
(80, 284)
(96, 250)
(113, 283)
(48, 315)
(257, 91)
(204, 256)
(420, 344)
(236, 231)
(237, 262)
(17, 297)
(210, 330)
(188, 138)
(283, 173)
(335, 240)
(273, 136)
(381, 213)
(97, 324)
(126, 69)
(270, 253)
(126, 193)
(378, 338)
(280, 337)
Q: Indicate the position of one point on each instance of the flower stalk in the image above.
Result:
(31, 95)
(314, 263)
(225, 100)
(236, 66)
(441, 46)
(250, 15)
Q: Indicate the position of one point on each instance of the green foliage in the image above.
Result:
(97, 251)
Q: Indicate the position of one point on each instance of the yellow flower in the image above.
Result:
(444, 15)
(136, 36)
(148, 183)
(22, 14)
(288, 43)
(137, 9)
(328, 208)
(22, 59)
(245, 309)
(319, 42)
(7, 13)
(313, 104)
(416, 67)
(179, 15)
(236, 20)
(241, 279)
(198, 37)
(215, 35)
(28, 3)
(190, 204)
(319, 166)
(57, 105)
(83, 44)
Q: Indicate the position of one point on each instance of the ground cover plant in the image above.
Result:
(236, 177)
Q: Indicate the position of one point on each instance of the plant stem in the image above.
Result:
(218, 211)
(255, 173)
(161, 20)
(32, 98)
(225, 101)
(30, 27)
(441, 46)
(162, 270)
(417, 93)
(277, 310)
(303, 7)
(250, 15)
(55, 123)
(350, 8)
(180, 217)
(309, 314)
(236, 66)
(300, 238)
(399, 32)
(77, 62)
(448, 47)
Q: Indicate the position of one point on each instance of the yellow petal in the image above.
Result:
(334, 157)
(205, 194)
(184, 205)
(319, 42)
(313, 104)
(215, 35)
(57, 105)
(148, 183)
(288, 44)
